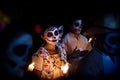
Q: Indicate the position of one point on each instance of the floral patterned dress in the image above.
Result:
(49, 65)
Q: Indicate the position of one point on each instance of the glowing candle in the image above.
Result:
(90, 39)
(65, 68)
(31, 66)
(87, 46)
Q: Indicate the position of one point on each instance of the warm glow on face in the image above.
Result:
(65, 68)
(31, 66)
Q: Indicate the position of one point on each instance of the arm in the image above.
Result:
(38, 59)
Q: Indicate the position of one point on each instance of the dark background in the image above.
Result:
(59, 10)
(25, 15)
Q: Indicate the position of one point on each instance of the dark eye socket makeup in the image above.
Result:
(50, 34)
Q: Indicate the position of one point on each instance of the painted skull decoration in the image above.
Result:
(112, 44)
(51, 35)
(111, 59)
(17, 53)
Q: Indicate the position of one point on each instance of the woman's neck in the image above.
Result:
(50, 47)
(76, 35)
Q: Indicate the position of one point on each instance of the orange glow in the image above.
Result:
(31, 66)
(65, 68)
(90, 39)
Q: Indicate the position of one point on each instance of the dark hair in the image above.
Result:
(72, 19)
(46, 24)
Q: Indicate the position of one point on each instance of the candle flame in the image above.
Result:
(90, 39)
(65, 68)
(31, 66)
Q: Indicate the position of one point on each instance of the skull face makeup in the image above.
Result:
(60, 30)
(77, 26)
(51, 35)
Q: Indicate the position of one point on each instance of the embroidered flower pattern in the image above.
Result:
(50, 65)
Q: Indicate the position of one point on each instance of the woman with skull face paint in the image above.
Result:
(50, 57)
(74, 40)
(76, 46)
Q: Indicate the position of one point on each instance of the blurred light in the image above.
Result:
(110, 21)
(37, 28)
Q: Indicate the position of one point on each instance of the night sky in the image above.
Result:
(59, 9)
(32, 12)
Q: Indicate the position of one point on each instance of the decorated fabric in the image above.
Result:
(49, 65)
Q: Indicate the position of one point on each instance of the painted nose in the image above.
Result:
(54, 37)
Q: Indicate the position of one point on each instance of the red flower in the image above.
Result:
(38, 28)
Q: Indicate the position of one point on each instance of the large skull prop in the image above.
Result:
(111, 46)
(51, 35)
(17, 53)
(112, 43)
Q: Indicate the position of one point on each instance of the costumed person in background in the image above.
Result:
(86, 62)
(61, 32)
(74, 40)
(50, 58)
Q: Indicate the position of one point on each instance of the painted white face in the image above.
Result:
(77, 26)
(60, 30)
(51, 35)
